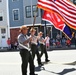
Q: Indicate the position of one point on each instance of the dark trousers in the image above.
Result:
(34, 49)
(26, 58)
(43, 50)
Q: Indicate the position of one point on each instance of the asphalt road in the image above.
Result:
(62, 62)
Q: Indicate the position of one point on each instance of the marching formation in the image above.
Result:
(28, 46)
(55, 12)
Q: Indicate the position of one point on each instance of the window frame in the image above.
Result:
(74, 1)
(18, 14)
(37, 14)
(0, 0)
(14, 1)
(4, 31)
(27, 12)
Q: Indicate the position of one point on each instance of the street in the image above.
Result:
(62, 62)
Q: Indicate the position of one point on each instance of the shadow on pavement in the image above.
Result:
(72, 63)
(39, 68)
(65, 71)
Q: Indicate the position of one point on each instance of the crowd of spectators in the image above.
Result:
(62, 41)
(54, 42)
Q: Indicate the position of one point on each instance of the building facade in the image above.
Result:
(16, 18)
(27, 14)
(4, 23)
(15, 13)
(23, 12)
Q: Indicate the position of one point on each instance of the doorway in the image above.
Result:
(3, 37)
(49, 31)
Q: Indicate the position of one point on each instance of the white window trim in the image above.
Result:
(18, 15)
(25, 12)
(5, 31)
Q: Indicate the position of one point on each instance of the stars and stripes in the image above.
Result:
(63, 7)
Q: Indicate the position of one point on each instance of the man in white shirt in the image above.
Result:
(25, 54)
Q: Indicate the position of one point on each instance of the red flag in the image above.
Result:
(57, 21)
(63, 7)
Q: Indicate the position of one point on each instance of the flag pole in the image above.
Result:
(31, 13)
(34, 20)
(35, 14)
(45, 29)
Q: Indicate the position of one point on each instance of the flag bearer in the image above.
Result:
(34, 46)
(43, 47)
(25, 54)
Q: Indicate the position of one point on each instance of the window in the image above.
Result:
(0, 0)
(3, 30)
(35, 10)
(74, 1)
(3, 37)
(15, 0)
(28, 11)
(1, 16)
(16, 14)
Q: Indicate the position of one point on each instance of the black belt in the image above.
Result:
(33, 44)
(23, 50)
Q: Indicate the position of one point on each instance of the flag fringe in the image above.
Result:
(68, 37)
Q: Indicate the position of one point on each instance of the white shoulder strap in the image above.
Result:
(24, 47)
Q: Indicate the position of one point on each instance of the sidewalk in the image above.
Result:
(63, 48)
(6, 50)
(51, 48)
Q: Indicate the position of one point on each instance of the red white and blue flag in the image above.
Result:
(63, 7)
(57, 22)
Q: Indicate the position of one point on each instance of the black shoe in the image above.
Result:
(47, 60)
(41, 64)
(33, 74)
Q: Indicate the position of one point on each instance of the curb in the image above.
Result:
(50, 49)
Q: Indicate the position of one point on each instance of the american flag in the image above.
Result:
(63, 7)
